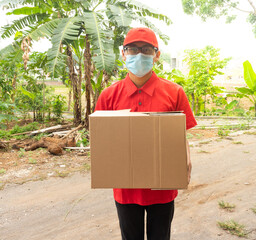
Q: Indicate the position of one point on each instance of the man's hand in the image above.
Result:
(189, 164)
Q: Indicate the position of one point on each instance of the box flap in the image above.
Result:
(116, 113)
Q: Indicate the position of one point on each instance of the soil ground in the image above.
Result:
(49, 197)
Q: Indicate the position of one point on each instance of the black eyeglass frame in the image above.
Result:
(125, 48)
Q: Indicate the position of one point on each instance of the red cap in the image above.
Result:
(141, 35)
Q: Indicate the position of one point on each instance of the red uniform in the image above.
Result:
(156, 95)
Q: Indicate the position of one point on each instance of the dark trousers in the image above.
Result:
(159, 219)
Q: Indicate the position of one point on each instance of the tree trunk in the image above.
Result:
(69, 96)
(205, 104)
(43, 97)
(197, 106)
(14, 82)
(193, 102)
(87, 76)
(76, 85)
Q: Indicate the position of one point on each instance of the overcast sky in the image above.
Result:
(235, 40)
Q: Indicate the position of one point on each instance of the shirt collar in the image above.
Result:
(148, 87)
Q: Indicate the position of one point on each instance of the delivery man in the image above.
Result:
(143, 91)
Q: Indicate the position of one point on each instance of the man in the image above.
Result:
(143, 91)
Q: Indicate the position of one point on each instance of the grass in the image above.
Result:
(233, 228)
(227, 206)
(2, 171)
(21, 152)
(62, 174)
(17, 129)
(238, 142)
(250, 133)
(189, 135)
(198, 136)
(205, 142)
(87, 167)
(32, 161)
(253, 210)
(223, 133)
(202, 151)
(2, 185)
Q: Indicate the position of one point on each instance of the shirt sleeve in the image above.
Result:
(183, 105)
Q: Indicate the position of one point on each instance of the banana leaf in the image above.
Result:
(249, 76)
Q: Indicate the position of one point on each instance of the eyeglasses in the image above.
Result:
(148, 50)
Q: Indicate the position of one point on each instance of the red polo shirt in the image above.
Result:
(156, 95)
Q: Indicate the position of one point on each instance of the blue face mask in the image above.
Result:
(139, 64)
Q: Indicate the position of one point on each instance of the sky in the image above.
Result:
(235, 40)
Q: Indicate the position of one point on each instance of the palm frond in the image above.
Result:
(67, 30)
(148, 24)
(118, 14)
(9, 4)
(141, 9)
(10, 29)
(12, 53)
(9, 49)
(101, 42)
(29, 11)
(45, 30)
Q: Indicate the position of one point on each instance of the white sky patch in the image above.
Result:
(234, 40)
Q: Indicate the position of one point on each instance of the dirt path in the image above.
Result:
(66, 208)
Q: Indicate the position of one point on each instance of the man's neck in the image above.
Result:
(140, 81)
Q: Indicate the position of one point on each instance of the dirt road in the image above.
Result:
(67, 209)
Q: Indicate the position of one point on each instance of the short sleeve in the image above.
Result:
(183, 105)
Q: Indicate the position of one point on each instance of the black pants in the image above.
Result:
(159, 219)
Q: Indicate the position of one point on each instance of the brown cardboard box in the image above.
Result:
(138, 150)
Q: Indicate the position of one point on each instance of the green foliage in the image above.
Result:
(18, 129)
(29, 97)
(204, 65)
(58, 106)
(253, 210)
(223, 132)
(227, 206)
(21, 152)
(32, 161)
(7, 112)
(166, 57)
(233, 227)
(2, 171)
(250, 80)
(121, 70)
(84, 138)
(67, 30)
(39, 136)
(29, 127)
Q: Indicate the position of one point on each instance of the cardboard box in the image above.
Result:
(138, 150)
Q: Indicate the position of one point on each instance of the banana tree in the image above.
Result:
(10, 66)
(250, 80)
(101, 24)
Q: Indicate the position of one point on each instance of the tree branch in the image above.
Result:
(239, 9)
(251, 3)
